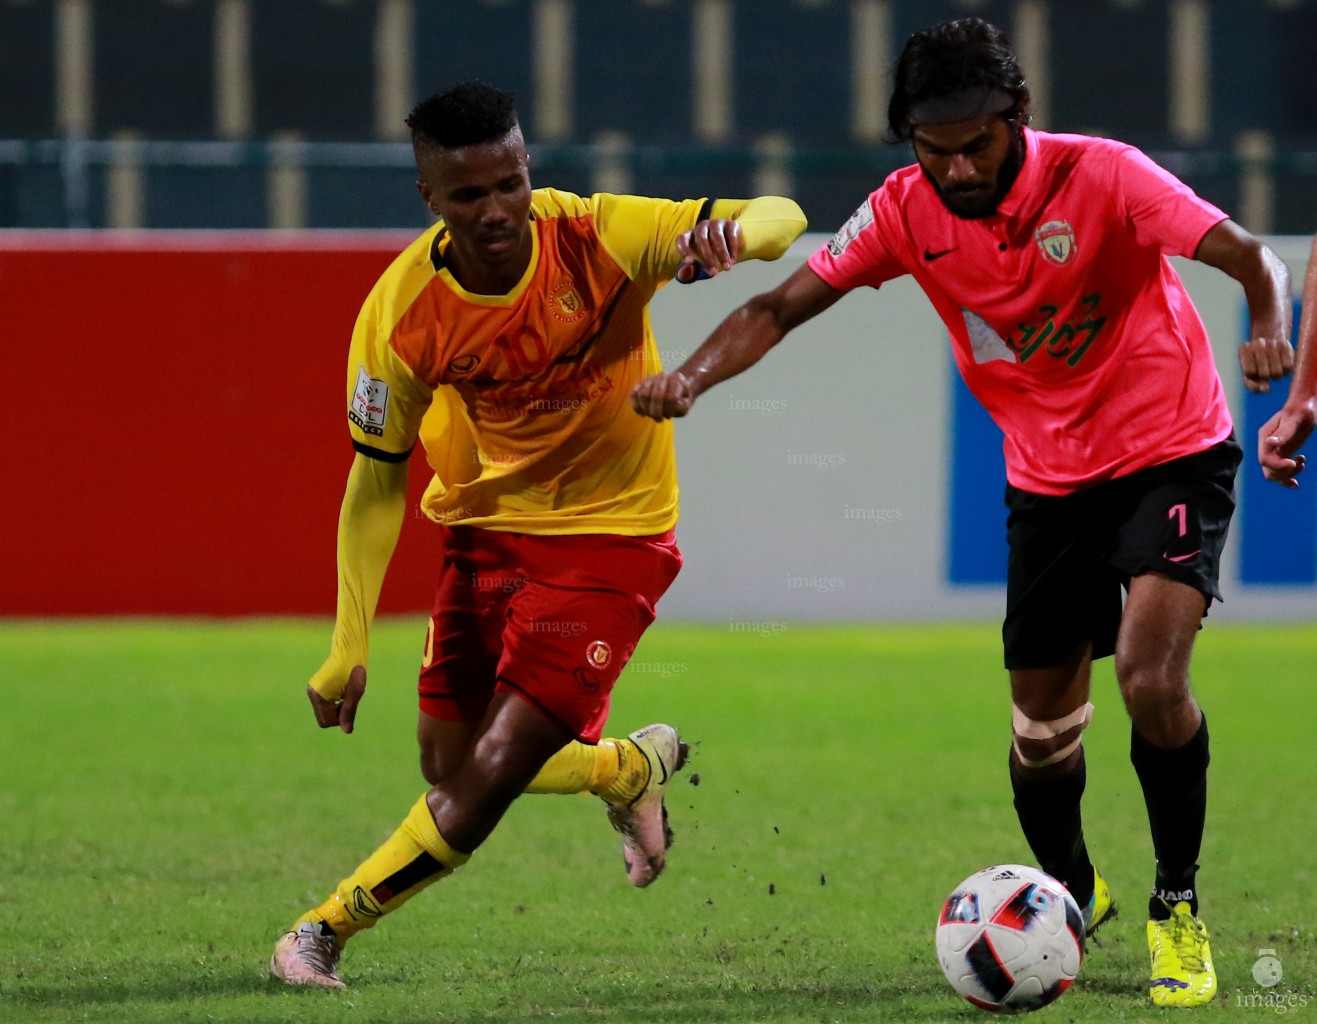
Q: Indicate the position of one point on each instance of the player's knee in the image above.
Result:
(1040, 743)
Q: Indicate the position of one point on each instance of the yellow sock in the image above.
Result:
(410, 859)
(613, 769)
(631, 778)
(576, 768)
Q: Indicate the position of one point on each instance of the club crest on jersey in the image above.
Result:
(1056, 240)
(598, 653)
(566, 304)
(370, 403)
(858, 221)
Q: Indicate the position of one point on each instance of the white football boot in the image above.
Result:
(643, 823)
(308, 956)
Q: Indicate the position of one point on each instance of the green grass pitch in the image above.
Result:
(167, 807)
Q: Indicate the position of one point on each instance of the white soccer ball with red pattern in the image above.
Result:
(1010, 938)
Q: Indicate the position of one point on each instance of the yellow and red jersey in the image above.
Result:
(522, 400)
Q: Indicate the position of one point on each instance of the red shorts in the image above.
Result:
(555, 618)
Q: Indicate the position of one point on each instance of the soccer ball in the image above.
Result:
(1010, 938)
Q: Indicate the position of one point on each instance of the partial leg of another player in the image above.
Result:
(440, 833)
(1048, 775)
(1169, 749)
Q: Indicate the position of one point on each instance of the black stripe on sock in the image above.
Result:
(423, 867)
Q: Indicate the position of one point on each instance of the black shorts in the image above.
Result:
(1070, 556)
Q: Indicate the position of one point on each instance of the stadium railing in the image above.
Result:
(139, 183)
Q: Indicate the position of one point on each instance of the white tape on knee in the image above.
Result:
(1027, 728)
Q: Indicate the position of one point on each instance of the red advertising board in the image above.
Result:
(177, 440)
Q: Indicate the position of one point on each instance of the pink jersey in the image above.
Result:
(1067, 320)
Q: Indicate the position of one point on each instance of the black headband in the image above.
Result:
(976, 101)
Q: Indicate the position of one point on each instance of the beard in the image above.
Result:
(978, 201)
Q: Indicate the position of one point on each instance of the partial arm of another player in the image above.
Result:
(736, 344)
(1281, 437)
(369, 522)
(1267, 354)
(737, 229)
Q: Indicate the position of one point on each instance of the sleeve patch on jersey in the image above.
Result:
(370, 403)
(859, 220)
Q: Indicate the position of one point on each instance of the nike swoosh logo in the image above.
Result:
(664, 768)
(1181, 558)
(931, 256)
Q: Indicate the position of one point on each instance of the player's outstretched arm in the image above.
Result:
(374, 505)
(1267, 355)
(735, 345)
(1281, 437)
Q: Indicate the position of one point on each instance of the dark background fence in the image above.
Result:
(288, 113)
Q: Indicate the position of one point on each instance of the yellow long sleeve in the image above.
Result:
(374, 505)
(769, 224)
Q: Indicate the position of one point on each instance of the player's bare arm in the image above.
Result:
(736, 344)
(374, 505)
(1281, 437)
(1267, 355)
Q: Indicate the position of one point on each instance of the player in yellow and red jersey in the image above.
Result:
(507, 339)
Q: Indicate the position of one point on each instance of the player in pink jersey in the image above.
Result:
(1047, 258)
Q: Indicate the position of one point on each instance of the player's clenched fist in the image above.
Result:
(1263, 360)
(663, 396)
(715, 245)
(333, 699)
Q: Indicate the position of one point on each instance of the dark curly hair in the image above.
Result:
(949, 58)
(463, 115)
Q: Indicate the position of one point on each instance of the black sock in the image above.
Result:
(1175, 790)
(1048, 809)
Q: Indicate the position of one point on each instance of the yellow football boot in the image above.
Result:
(1101, 907)
(1182, 971)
